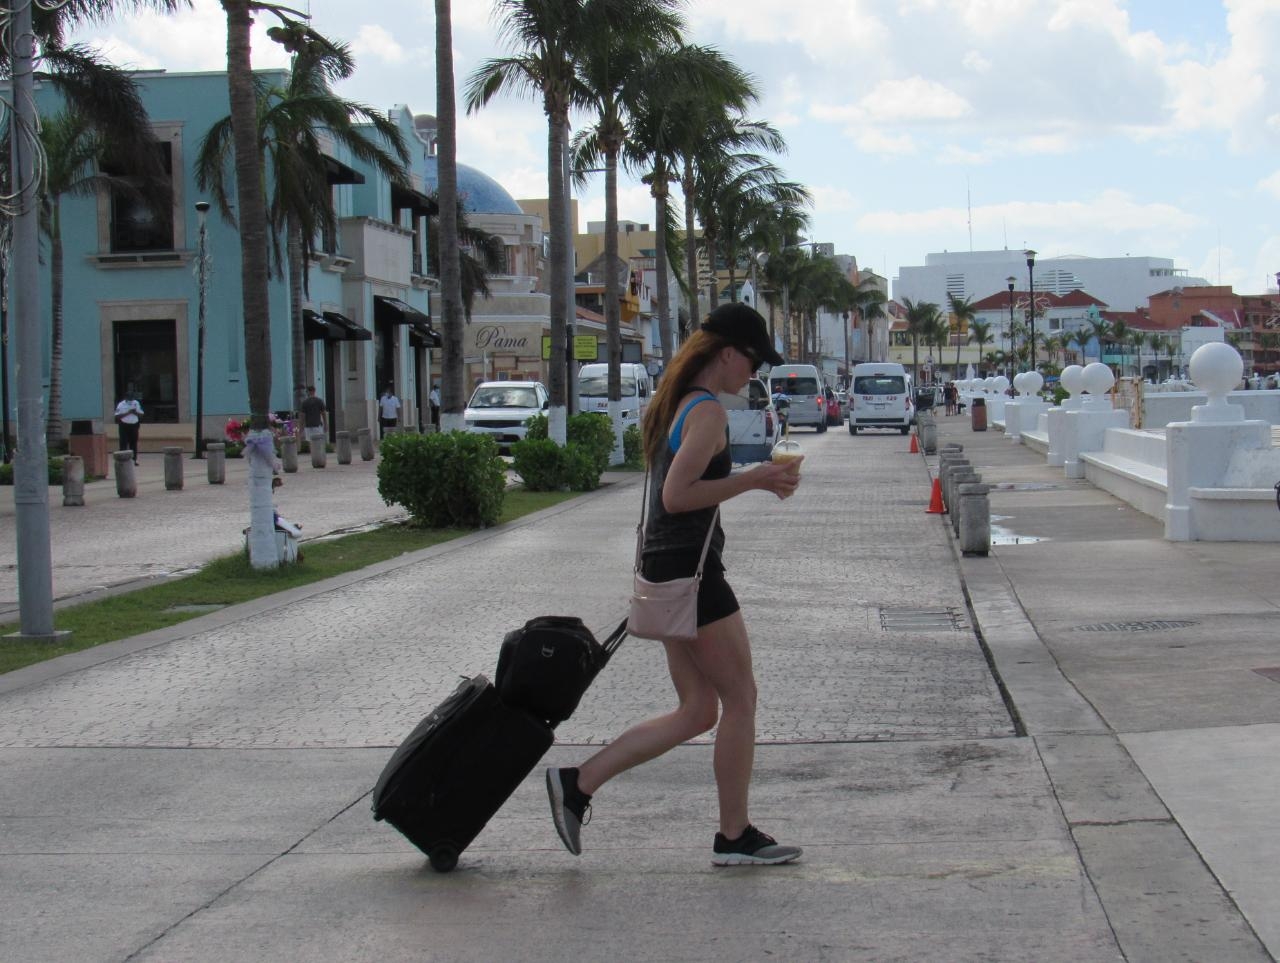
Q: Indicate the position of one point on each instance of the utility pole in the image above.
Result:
(30, 472)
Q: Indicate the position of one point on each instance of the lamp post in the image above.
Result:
(202, 280)
(1031, 293)
(4, 356)
(1004, 347)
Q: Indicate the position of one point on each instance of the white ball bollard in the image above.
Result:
(1017, 382)
(1072, 381)
(1032, 382)
(1216, 369)
(1096, 382)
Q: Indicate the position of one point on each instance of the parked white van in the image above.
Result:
(880, 397)
(803, 386)
(637, 387)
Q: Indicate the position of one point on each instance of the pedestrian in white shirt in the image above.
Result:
(128, 420)
(388, 410)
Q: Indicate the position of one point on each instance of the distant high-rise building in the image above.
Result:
(1123, 283)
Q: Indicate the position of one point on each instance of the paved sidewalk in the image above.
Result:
(201, 793)
(112, 542)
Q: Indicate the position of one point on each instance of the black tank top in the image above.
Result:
(680, 532)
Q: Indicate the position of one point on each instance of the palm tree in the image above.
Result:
(290, 119)
(962, 313)
(607, 70)
(819, 286)
(868, 305)
(550, 39)
(979, 334)
(920, 317)
(452, 397)
(672, 85)
(1082, 338)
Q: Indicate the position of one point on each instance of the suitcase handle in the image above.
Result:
(614, 639)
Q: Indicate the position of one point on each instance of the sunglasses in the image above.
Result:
(750, 356)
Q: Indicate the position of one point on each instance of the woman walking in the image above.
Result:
(686, 442)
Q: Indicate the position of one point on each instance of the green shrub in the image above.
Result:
(55, 471)
(537, 428)
(594, 432)
(580, 469)
(633, 448)
(540, 464)
(1060, 394)
(233, 449)
(443, 480)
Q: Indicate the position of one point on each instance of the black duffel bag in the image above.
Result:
(546, 665)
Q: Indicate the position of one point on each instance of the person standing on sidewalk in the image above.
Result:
(129, 421)
(315, 418)
(686, 443)
(388, 410)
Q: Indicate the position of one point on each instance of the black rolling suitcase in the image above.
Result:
(462, 762)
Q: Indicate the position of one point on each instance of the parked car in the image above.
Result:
(502, 408)
(880, 397)
(802, 384)
(754, 425)
(834, 417)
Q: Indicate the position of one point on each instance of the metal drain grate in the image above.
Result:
(1152, 625)
(920, 620)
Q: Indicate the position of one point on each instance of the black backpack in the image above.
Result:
(546, 665)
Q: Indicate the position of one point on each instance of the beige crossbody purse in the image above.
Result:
(667, 611)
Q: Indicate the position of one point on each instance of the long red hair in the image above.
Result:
(694, 355)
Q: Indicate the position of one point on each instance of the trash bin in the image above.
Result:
(978, 414)
(89, 441)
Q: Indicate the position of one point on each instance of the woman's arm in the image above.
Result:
(702, 437)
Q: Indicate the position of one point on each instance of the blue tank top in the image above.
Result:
(672, 532)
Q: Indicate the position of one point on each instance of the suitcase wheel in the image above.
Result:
(443, 858)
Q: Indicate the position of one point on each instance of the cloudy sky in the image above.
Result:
(1075, 127)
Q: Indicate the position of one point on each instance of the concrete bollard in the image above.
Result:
(73, 480)
(948, 490)
(289, 453)
(172, 468)
(126, 475)
(975, 519)
(927, 428)
(319, 456)
(215, 458)
(365, 437)
(962, 478)
(344, 447)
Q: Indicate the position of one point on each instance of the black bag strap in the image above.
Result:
(614, 638)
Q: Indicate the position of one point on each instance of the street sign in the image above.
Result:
(546, 347)
(585, 347)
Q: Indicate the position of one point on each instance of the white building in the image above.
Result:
(1123, 283)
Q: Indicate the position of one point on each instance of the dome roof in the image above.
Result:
(479, 192)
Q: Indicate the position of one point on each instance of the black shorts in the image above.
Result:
(715, 598)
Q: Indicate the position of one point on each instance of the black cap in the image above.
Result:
(739, 323)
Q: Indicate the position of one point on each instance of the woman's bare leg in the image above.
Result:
(722, 653)
(695, 714)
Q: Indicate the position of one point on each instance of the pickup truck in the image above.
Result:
(753, 422)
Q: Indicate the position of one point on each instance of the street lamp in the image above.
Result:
(202, 280)
(1004, 348)
(1031, 293)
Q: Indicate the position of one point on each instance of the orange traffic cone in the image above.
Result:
(935, 500)
(915, 445)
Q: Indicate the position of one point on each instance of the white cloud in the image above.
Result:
(376, 41)
(976, 62)
(1271, 185)
(822, 29)
(875, 141)
(910, 100)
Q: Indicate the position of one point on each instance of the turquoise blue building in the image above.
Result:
(131, 298)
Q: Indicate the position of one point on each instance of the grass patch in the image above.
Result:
(231, 580)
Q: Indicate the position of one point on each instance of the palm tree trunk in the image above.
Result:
(666, 332)
(690, 242)
(53, 426)
(612, 294)
(558, 123)
(253, 271)
(297, 339)
(452, 401)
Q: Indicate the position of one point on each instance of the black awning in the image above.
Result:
(350, 330)
(423, 336)
(337, 172)
(406, 198)
(397, 312)
(316, 328)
